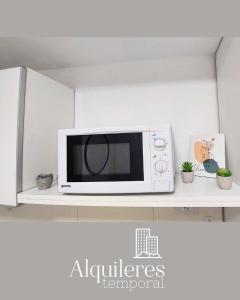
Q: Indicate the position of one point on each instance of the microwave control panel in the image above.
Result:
(161, 160)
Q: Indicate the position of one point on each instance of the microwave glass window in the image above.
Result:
(100, 157)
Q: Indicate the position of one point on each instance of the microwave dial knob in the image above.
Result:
(160, 144)
(161, 166)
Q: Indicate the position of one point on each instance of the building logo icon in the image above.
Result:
(146, 245)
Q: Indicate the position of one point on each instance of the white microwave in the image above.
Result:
(115, 160)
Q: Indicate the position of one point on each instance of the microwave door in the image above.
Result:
(105, 157)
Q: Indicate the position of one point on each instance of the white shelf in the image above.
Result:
(202, 193)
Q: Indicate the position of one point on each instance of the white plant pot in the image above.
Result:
(187, 177)
(225, 183)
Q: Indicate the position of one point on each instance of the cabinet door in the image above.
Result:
(10, 143)
(49, 106)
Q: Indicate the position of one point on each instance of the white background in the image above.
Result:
(180, 92)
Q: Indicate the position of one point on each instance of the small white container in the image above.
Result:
(187, 177)
(44, 181)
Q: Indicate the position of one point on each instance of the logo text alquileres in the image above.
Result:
(148, 273)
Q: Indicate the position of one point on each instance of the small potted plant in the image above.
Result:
(224, 179)
(187, 172)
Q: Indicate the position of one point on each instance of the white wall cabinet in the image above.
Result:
(32, 109)
(179, 91)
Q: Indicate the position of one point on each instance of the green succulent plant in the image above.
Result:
(224, 172)
(187, 166)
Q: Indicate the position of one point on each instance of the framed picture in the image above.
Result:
(207, 153)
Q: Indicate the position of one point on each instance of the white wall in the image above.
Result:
(179, 91)
(228, 77)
